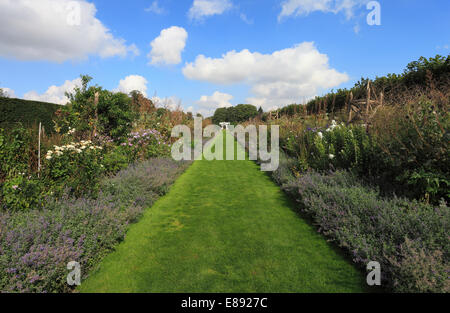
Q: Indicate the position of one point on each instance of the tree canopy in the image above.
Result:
(237, 114)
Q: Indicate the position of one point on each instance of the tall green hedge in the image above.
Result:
(28, 113)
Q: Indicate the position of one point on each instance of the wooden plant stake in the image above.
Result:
(39, 150)
(96, 113)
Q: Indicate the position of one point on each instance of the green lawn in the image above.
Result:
(224, 227)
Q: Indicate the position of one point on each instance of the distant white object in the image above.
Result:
(225, 125)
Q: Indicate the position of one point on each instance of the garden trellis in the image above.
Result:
(364, 109)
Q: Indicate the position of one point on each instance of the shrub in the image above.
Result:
(21, 193)
(414, 141)
(284, 173)
(145, 144)
(111, 115)
(115, 160)
(236, 114)
(331, 147)
(419, 270)
(14, 146)
(115, 114)
(405, 150)
(395, 232)
(76, 166)
(341, 146)
(36, 245)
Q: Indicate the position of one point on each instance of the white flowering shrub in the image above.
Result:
(340, 146)
(77, 166)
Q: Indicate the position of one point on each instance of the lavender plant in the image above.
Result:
(409, 238)
(36, 245)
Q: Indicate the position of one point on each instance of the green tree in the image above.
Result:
(244, 112)
(221, 115)
(115, 116)
(92, 109)
(81, 111)
(237, 114)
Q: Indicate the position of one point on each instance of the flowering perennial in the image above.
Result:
(73, 147)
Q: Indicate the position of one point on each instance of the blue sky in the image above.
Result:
(285, 51)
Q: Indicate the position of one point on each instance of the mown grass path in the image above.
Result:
(224, 227)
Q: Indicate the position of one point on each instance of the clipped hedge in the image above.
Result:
(28, 113)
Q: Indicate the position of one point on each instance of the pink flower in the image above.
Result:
(15, 187)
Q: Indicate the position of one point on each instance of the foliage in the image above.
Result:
(109, 114)
(404, 150)
(236, 114)
(145, 144)
(81, 112)
(14, 145)
(85, 144)
(65, 211)
(408, 238)
(341, 146)
(417, 72)
(77, 166)
(115, 114)
(115, 160)
(414, 141)
(21, 193)
(330, 146)
(28, 113)
(36, 245)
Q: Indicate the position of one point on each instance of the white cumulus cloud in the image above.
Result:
(54, 94)
(56, 31)
(208, 104)
(305, 7)
(131, 83)
(155, 8)
(205, 8)
(281, 78)
(168, 46)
